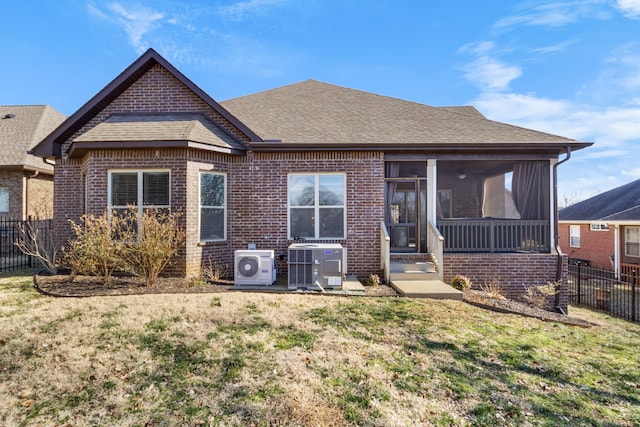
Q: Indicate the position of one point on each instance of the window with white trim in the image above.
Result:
(213, 206)
(632, 241)
(574, 236)
(316, 206)
(4, 201)
(138, 189)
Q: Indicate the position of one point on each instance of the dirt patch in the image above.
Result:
(482, 299)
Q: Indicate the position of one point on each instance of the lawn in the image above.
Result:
(237, 359)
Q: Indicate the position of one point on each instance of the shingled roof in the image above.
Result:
(312, 115)
(317, 114)
(21, 128)
(172, 129)
(619, 204)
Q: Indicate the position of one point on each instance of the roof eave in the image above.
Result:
(78, 149)
(27, 168)
(557, 147)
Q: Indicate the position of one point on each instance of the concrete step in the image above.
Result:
(414, 275)
(406, 267)
(432, 289)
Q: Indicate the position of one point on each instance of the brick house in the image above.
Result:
(604, 229)
(26, 182)
(317, 162)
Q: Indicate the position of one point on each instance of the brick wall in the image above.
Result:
(258, 200)
(256, 205)
(514, 272)
(28, 196)
(39, 196)
(14, 182)
(595, 246)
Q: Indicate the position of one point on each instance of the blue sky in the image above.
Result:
(566, 67)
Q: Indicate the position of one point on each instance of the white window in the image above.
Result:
(574, 236)
(599, 227)
(138, 189)
(213, 206)
(632, 241)
(316, 206)
(4, 201)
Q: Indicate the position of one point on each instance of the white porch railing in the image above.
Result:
(435, 242)
(495, 235)
(385, 251)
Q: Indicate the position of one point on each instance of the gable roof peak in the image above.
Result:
(51, 146)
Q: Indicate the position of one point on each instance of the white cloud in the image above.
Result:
(625, 61)
(629, 8)
(491, 74)
(487, 72)
(610, 127)
(594, 153)
(558, 47)
(513, 107)
(241, 8)
(136, 20)
(555, 14)
(632, 173)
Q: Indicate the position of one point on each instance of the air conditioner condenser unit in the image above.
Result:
(316, 266)
(254, 267)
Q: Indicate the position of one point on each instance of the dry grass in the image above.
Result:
(235, 359)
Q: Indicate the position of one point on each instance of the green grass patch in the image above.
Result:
(307, 360)
(290, 337)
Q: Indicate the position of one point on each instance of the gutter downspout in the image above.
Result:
(556, 227)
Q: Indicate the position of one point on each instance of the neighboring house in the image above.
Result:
(316, 162)
(26, 182)
(604, 229)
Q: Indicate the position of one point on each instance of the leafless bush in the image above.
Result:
(94, 250)
(540, 296)
(150, 241)
(493, 288)
(38, 243)
(213, 272)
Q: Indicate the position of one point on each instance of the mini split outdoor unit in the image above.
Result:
(254, 267)
(316, 266)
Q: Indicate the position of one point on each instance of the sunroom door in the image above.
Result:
(406, 215)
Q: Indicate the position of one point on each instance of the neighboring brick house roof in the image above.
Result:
(619, 204)
(21, 128)
(318, 114)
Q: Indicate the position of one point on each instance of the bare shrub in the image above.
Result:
(493, 288)
(213, 272)
(149, 242)
(94, 250)
(38, 242)
(540, 296)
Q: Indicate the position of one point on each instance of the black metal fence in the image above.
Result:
(602, 290)
(11, 257)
